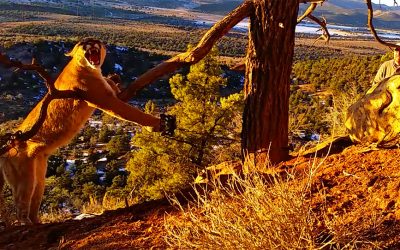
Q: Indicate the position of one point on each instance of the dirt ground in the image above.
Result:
(358, 185)
(132, 228)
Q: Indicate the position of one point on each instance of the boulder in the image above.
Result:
(375, 118)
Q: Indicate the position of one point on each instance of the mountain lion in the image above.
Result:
(24, 166)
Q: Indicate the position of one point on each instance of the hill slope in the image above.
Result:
(343, 12)
(357, 192)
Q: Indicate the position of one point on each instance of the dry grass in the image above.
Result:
(355, 230)
(113, 203)
(268, 214)
(337, 116)
(56, 216)
(95, 206)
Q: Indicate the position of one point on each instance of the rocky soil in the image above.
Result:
(356, 191)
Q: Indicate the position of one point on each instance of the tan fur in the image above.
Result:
(24, 167)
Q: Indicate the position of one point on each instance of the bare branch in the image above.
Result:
(4, 60)
(312, 1)
(238, 67)
(10, 139)
(372, 28)
(308, 13)
(309, 10)
(325, 33)
(191, 57)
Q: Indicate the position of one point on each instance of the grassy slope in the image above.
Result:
(353, 198)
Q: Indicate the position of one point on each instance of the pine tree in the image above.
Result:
(206, 126)
(205, 118)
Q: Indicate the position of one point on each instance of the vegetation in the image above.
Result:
(206, 135)
(233, 45)
(338, 74)
(323, 89)
(268, 214)
(209, 123)
(206, 125)
(278, 211)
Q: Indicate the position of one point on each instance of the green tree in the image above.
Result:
(118, 145)
(112, 171)
(56, 195)
(205, 125)
(204, 116)
(54, 162)
(105, 134)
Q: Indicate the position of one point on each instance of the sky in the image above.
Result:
(387, 2)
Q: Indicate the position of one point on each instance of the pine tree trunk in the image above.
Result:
(268, 67)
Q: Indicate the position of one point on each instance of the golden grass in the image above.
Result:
(95, 206)
(337, 115)
(258, 212)
(268, 214)
(56, 216)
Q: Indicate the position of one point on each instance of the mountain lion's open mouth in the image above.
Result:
(93, 55)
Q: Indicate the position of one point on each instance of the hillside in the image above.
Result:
(342, 12)
(354, 196)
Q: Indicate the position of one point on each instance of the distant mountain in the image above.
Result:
(341, 12)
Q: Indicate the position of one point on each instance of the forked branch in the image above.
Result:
(321, 22)
(372, 28)
(193, 56)
(7, 63)
(309, 10)
(325, 32)
(9, 139)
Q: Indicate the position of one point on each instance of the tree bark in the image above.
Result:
(268, 67)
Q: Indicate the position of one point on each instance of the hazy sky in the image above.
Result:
(387, 2)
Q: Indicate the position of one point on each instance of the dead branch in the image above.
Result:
(10, 139)
(193, 56)
(321, 22)
(309, 10)
(312, 1)
(238, 67)
(325, 33)
(372, 28)
(7, 63)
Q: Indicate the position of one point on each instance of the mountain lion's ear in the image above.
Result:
(74, 50)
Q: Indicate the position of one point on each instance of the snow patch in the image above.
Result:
(117, 67)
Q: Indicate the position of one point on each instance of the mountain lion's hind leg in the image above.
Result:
(40, 174)
(20, 174)
(2, 203)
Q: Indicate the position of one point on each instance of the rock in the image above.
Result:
(84, 216)
(375, 118)
(219, 173)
